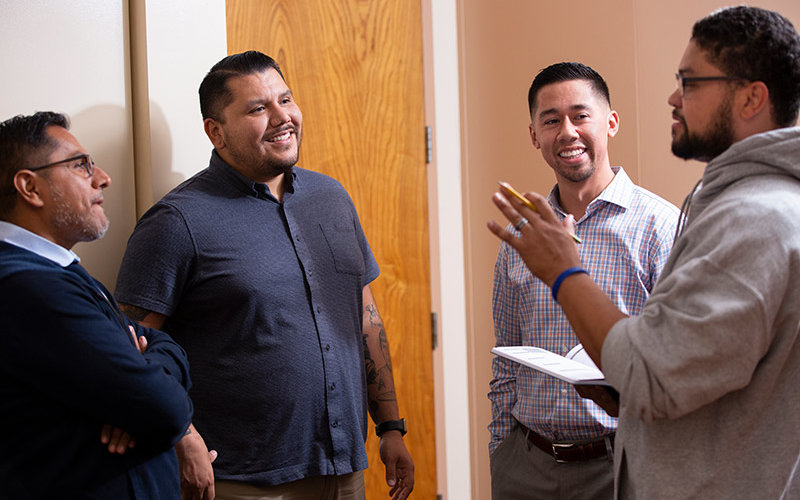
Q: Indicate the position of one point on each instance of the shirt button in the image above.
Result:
(319, 309)
(335, 424)
(327, 347)
(310, 272)
(297, 238)
(333, 386)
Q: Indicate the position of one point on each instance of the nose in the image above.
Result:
(280, 116)
(675, 100)
(100, 179)
(568, 130)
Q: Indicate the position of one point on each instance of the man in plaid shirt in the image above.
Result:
(546, 440)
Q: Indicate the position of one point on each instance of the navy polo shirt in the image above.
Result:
(266, 299)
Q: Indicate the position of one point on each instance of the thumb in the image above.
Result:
(391, 474)
(212, 455)
(569, 224)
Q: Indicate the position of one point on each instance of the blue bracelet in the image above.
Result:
(561, 277)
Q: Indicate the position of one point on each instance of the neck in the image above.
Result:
(276, 186)
(39, 227)
(574, 197)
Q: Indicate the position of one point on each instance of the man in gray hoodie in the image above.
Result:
(708, 373)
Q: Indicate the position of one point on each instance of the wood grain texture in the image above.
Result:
(355, 68)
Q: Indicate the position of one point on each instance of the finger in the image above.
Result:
(393, 490)
(142, 344)
(105, 434)
(133, 333)
(391, 474)
(119, 441)
(569, 224)
(543, 208)
(212, 455)
(500, 231)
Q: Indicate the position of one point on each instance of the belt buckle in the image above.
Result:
(560, 446)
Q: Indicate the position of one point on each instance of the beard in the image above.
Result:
(714, 142)
(265, 167)
(577, 175)
(75, 225)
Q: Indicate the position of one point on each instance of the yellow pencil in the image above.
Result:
(527, 202)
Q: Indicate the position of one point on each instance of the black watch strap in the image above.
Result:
(391, 425)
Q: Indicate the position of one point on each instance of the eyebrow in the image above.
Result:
(554, 111)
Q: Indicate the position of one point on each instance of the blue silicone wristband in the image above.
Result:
(566, 274)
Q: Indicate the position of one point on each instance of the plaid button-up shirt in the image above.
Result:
(627, 234)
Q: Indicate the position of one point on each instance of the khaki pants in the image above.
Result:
(346, 487)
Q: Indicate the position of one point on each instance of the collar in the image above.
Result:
(219, 167)
(22, 238)
(619, 192)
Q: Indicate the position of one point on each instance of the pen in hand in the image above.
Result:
(527, 202)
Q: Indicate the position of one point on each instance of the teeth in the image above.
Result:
(572, 153)
(281, 137)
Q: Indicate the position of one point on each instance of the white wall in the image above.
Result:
(72, 57)
(184, 39)
(75, 57)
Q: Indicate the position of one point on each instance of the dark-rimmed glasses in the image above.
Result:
(683, 80)
(85, 162)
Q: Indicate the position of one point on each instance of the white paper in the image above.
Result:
(580, 370)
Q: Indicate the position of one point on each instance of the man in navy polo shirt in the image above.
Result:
(261, 271)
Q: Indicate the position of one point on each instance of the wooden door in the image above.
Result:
(355, 68)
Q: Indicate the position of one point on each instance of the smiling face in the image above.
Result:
(260, 130)
(703, 126)
(571, 124)
(72, 202)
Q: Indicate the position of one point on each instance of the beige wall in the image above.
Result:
(636, 45)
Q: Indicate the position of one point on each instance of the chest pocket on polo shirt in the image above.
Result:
(344, 247)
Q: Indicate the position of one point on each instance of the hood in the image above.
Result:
(776, 152)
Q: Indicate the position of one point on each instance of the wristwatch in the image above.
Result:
(391, 425)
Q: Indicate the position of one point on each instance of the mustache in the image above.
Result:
(286, 128)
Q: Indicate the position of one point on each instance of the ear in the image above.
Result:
(613, 123)
(27, 185)
(214, 132)
(754, 99)
(534, 141)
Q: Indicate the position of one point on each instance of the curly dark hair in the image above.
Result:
(757, 45)
(24, 142)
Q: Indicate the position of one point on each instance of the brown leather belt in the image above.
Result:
(572, 452)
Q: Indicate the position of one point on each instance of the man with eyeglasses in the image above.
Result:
(90, 402)
(708, 373)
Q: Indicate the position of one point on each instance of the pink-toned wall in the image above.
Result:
(636, 45)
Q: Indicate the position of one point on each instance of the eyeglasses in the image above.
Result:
(683, 80)
(84, 162)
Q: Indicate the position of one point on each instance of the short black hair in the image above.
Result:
(757, 45)
(564, 72)
(214, 91)
(24, 142)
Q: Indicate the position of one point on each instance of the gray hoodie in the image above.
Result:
(709, 373)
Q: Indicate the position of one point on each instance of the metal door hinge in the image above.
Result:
(428, 144)
(434, 330)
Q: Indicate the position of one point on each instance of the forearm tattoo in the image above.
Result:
(135, 313)
(378, 364)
